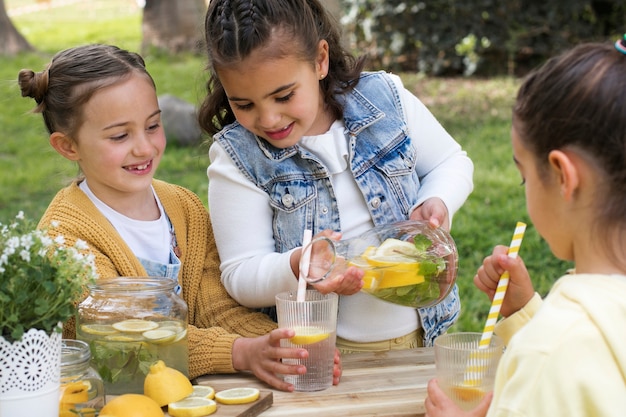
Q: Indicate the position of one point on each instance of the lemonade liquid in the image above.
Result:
(466, 397)
(123, 359)
(319, 364)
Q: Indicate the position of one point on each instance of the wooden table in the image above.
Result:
(390, 384)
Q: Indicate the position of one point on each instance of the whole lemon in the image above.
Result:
(132, 405)
(166, 385)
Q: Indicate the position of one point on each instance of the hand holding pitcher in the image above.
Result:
(408, 263)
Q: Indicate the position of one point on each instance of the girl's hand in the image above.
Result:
(262, 356)
(437, 404)
(346, 283)
(337, 368)
(520, 289)
(434, 211)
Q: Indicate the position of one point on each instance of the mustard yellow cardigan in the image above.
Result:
(215, 319)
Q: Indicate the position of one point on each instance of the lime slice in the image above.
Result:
(237, 396)
(308, 335)
(135, 325)
(159, 336)
(202, 391)
(98, 329)
(192, 407)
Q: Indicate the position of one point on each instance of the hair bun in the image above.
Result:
(33, 84)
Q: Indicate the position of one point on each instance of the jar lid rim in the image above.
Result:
(74, 352)
(133, 284)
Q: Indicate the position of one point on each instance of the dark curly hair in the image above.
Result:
(236, 28)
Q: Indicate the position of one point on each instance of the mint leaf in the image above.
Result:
(422, 243)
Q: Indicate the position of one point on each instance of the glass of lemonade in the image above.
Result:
(130, 323)
(315, 323)
(465, 371)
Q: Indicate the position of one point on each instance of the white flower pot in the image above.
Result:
(30, 372)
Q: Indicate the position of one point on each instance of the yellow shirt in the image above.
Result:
(569, 358)
(215, 319)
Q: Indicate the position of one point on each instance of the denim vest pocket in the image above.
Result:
(291, 195)
(400, 161)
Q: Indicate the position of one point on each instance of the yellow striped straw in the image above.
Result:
(478, 360)
(503, 283)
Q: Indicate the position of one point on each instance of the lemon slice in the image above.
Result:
(237, 396)
(467, 393)
(124, 337)
(396, 248)
(159, 336)
(392, 264)
(98, 329)
(202, 391)
(308, 335)
(135, 325)
(192, 407)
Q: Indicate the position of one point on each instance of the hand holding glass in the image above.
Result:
(465, 371)
(315, 323)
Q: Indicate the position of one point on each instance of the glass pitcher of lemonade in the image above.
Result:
(408, 263)
(130, 323)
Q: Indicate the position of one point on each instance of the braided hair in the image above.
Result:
(275, 28)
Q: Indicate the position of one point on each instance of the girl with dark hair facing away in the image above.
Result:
(100, 107)
(304, 139)
(565, 355)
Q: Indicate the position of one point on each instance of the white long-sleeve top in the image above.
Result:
(253, 273)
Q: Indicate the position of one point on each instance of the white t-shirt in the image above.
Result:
(253, 273)
(148, 239)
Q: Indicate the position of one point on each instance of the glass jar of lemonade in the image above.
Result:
(130, 323)
(409, 263)
(82, 390)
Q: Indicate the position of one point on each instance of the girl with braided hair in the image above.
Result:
(100, 107)
(305, 139)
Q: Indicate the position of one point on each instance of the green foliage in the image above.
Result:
(476, 112)
(41, 279)
(445, 37)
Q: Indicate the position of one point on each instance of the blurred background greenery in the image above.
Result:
(476, 111)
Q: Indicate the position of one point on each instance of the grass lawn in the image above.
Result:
(475, 111)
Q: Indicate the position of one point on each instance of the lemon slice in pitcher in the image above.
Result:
(135, 325)
(306, 335)
(392, 264)
(98, 329)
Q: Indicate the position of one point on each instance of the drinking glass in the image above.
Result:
(315, 323)
(465, 371)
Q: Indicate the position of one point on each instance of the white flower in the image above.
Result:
(25, 255)
(81, 245)
(36, 266)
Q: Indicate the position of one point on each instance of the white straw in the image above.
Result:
(304, 265)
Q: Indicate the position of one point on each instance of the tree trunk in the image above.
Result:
(174, 26)
(11, 41)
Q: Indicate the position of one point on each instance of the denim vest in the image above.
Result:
(382, 161)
